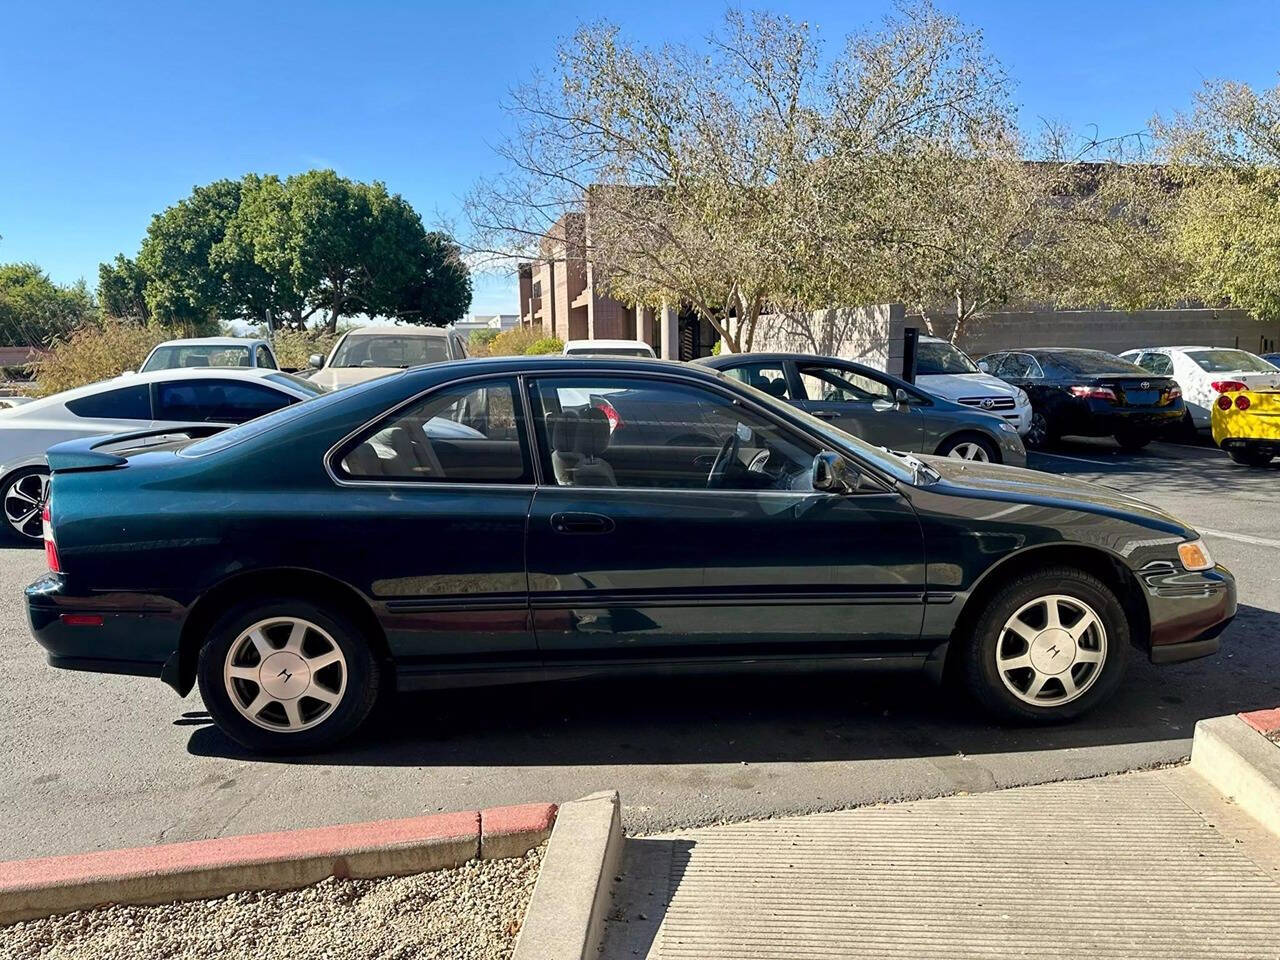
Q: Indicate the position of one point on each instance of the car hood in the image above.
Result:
(335, 378)
(953, 386)
(1018, 485)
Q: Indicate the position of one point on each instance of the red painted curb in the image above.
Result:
(1264, 721)
(265, 861)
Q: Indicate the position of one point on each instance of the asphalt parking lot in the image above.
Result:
(90, 761)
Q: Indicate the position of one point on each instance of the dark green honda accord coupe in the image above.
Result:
(503, 520)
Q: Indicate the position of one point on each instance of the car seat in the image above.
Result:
(593, 440)
(562, 430)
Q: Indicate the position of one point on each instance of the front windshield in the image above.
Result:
(197, 355)
(936, 357)
(389, 350)
(1229, 361)
(900, 468)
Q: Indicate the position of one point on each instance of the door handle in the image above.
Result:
(581, 523)
(826, 414)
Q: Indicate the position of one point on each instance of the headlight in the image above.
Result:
(1195, 555)
(1006, 425)
(1021, 399)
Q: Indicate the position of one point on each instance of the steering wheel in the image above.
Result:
(728, 453)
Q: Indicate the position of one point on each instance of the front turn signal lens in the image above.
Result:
(1195, 555)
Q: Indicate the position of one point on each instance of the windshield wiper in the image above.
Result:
(919, 468)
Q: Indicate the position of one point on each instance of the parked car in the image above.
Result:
(1246, 422)
(370, 352)
(144, 401)
(8, 403)
(210, 352)
(608, 348)
(293, 589)
(1273, 359)
(876, 406)
(1089, 393)
(1200, 371)
(948, 372)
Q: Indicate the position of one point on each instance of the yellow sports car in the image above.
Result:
(1246, 422)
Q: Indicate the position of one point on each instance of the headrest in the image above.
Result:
(563, 431)
(593, 433)
(777, 387)
(195, 360)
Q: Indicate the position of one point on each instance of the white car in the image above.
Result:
(144, 401)
(369, 352)
(948, 372)
(608, 348)
(1199, 369)
(210, 352)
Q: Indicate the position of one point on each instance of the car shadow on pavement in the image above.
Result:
(1179, 468)
(783, 717)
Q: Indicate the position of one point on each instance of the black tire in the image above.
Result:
(1248, 457)
(18, 488)
(1039, 435)
(1133, 439)
(988, 448)
(977, 654)
(356, 697)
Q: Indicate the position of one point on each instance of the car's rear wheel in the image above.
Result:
(969, 446)
(1249, 457)
(287, 676)
(23, 493)
(1133, 439)
(1038, 434)
(1049, 646)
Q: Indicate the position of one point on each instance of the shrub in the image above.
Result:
(479, 341)
(294, 347)
(545, 345)
(96, 352)
(511, 342)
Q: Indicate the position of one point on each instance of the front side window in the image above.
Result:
(127, 403)
(835, 384)
(216, 401)
(468, 433)
(389, 350)
(769, 377)
(614, 431)
(264, 358)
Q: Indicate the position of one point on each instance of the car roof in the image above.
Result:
(211, 342)
(732, 359)
(404, 331)
(568, 344)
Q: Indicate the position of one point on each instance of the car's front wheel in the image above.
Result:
(24, 492)
(1049, 646)
(970, 446)
(287, 676)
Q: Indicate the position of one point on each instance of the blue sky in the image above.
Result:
(113, 111)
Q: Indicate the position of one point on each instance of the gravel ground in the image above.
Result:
(472, 912)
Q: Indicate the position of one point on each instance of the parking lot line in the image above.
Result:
(1063, 456)
(1242, 537)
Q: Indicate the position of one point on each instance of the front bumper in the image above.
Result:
(1188, 611)
(105, 633)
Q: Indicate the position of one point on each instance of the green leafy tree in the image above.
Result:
(34, 310)
(122, 289)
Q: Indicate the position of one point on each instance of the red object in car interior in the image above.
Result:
(610, 413)
(1227, 386)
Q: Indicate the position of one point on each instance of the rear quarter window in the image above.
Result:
(126, 403)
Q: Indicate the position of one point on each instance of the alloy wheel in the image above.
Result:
(1038, 432)
(968, 450)
(285, 674)
(1051, 651)
(23, 504)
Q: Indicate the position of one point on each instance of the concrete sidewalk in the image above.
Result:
(1137, 865)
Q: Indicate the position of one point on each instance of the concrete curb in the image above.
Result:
(566, 915)
(1233, 754)
(204, 869)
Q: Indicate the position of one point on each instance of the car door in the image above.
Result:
(437, 496)
(860, 402)
(638, 550)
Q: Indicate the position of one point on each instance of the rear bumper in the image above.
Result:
(117, 634)
(1188, 611)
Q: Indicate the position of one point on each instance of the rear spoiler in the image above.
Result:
(86, 453)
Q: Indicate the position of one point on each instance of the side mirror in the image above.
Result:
(902, 396)
(982, 365)
(830, 473)
(316, 360)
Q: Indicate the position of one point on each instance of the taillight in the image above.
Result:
(50, 548)
(1224, 403)
(1094, 393)
(1227, 386)
(1242, 402)
(610, 413)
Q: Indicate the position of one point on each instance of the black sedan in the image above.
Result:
(1089, 393)
(484, 522)
(876, 406)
